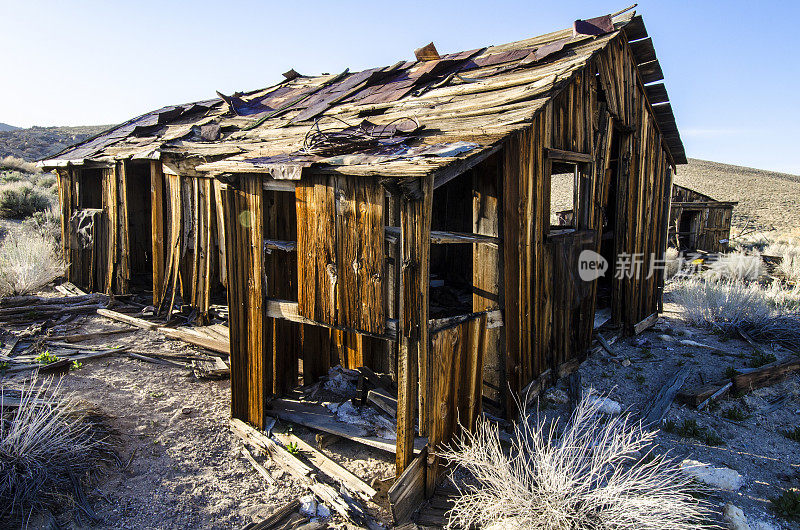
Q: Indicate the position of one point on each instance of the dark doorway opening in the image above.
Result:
(140, 233)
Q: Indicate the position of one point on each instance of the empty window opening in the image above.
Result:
(564, 201)
(451, 264)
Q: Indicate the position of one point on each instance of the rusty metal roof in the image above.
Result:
(464, 104)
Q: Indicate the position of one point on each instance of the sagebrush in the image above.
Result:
(29, 260)
(19, 200)
(17, 164)
(598, 472)
(48, 443)
(766, 313)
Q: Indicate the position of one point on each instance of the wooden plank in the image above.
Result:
(656, 93)
(650, 72)
(657, 408)
(157, 224)
(646, 323)
(643, 51)
(321, 419)
(382, 399)
(291, 311)
(487, 270)
(635, 30)
(330, 468)
(360, 254)
(766, 376)
(408, 492)
(412, 361)
(568, 156)
(317, 272)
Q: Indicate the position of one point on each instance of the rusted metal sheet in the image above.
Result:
(593, 26)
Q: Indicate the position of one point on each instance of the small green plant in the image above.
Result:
(292, 448)
(793, 434)
(669, 426)
(734, 413)
(787, 503)
(640, 379)
(730, 372)
(46, 358)
(690, 429)
(3, 366)
(76, 365)
(157, 395)
(761, 359)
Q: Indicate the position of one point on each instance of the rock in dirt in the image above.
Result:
(556, 395)
(734, 518)
(605, 405)
(308, 506)
(718, 477)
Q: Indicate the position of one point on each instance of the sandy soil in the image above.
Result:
(755, 447)
(180, 465)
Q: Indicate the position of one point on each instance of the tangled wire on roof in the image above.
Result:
(346, 138)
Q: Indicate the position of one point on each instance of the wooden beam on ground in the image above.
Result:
(330, 468)
(559, 155)
(258, 467)
(645, 323)
(320, 418)
(382, 399)
(765, 376)
(186, 335)
(658, 407)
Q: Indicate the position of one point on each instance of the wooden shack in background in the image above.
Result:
(400, 218)
(698, 222)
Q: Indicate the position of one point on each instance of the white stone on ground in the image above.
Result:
(308, 506)
(719, 477)
(734, 518)
(605, 405)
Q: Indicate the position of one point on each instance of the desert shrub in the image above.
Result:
(47, 443)
(787, 503)
(672, 262)
(737, 266)
(12, 176)
(766, 314)
(29, 260)
(47, 223)
(19, 200)
(587, 475)
(12, 163)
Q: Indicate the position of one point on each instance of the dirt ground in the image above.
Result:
(755, 447)
(180, 466)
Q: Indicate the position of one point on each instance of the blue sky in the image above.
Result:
(729, 66)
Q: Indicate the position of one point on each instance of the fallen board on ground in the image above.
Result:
(318, 417)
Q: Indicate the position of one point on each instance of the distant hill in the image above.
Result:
(36, 143)
(7, 127)
(765, 197)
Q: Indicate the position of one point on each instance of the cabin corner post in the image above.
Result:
(251, 365)
(412, 358)
(157, 223)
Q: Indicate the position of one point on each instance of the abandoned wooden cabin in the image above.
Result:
(698, 222)
(401, 218)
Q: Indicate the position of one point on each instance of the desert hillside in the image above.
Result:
(766, 197)
(36, 143)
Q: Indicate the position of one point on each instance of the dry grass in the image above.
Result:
(768, 314)
(590, 475)
(737, 266)
(12, 163)
(29, 260)
(47, 445)
(19, 200)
